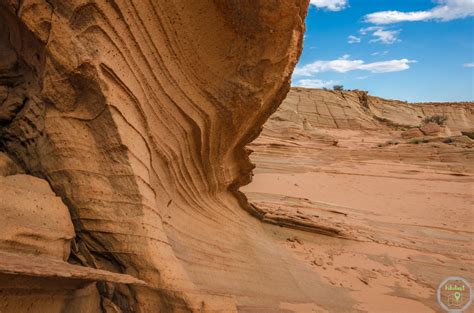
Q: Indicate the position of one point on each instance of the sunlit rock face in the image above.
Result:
(356, 109)
(137, 114)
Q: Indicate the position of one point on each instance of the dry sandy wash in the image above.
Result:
(123, 133)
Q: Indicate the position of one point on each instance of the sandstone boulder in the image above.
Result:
(8, 166)
(412, 133)
(431, 129)
(34, 220)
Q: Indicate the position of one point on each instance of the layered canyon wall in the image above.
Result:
(358, 110)
(131, 119)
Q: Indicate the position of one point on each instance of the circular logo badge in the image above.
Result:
(454, 294)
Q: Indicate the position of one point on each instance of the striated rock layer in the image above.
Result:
(357, 110)
(137, 113)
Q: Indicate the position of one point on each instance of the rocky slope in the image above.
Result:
(379, 213)
(136, 115)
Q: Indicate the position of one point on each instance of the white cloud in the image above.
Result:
(331, 5)
(345, 64)
(387, 66)
(381, 34)
(446, 10)
(468, 65)
(315, 83)
(380, 53)
(353, 39)
(390, 17)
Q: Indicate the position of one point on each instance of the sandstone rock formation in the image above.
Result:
(35, 243)
(357, 110)
(431, 129)
(137, 115)
(381, 218)
(412, 133)
(123, 133)
(35, 221)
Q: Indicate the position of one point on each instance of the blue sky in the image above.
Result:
(414, 50)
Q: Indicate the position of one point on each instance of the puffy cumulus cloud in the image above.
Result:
(331, 5)
(446, 10)
(345, 64)
(315, 83)
(353, 39)
(382, 34)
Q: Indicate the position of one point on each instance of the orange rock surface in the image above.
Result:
(137, 115)
(123, 134)
(381, 218)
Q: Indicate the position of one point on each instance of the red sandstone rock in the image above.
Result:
(431, 129)
(412, 133)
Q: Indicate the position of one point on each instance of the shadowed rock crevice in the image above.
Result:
(23, 115)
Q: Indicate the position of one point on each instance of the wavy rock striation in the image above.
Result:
(137, 115)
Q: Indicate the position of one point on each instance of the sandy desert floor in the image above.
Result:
(403, 212)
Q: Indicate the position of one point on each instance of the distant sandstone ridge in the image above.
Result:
(358, 110)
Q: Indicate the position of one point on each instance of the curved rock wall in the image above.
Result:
(137, 114)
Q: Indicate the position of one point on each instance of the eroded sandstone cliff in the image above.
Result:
(358, 110)
(136, 113)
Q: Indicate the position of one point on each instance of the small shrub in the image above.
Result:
(338, 87)
(468, 134)
(415, 141)
(448, 140)
(438, 119)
